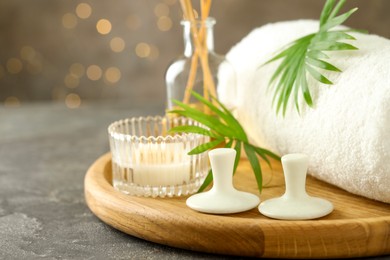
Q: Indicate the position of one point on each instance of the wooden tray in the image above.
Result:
(357, 227)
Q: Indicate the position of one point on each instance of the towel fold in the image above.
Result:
(346, 134)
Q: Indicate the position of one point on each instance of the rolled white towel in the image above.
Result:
(346, 134)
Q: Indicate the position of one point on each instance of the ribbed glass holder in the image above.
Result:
(147, 161)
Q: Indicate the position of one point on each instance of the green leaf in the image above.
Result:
(267, 153)
(300, 58)
(279, 56)
(337, 8)
(291, 54)
(337, 20)
(322, 64)
(316, 54)
(333, 36)
(288, 80)
(229, 119)
(237, 147)
(332, 46)
(215, 127)
(326, 11)
(229, 144)
(286, 90)
(263, 156)
(193, 129)
(254, 161)
(206, 146)
(204, 119)
(282, 68)
(296, 91)
(289, 68)
(318, 76)
(290, 48)
(285, 95)
(236, 124)
(305, 90)
(206, 182)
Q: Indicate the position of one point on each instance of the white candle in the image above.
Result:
(156, 164)
(162, 174)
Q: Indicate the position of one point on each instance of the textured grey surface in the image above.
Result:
(45, 150)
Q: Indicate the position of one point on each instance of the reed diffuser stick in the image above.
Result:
(190, 16)
(200, 50)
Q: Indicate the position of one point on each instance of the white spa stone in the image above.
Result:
(223, 198)
(295, 204)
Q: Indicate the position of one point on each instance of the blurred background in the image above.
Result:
(77, 51)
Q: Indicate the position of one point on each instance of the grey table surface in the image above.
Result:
(45, 151)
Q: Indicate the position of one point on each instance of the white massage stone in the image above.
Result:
(295, 204)
(223, 198)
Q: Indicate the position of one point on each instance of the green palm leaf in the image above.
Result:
(207, 120)
(254, 161)
(228, 119)
(305, 56)
(206, 146)
(223, 128)
(193, 129)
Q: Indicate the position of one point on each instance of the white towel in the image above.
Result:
(346, 134)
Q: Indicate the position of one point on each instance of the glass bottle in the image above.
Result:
(203, 73)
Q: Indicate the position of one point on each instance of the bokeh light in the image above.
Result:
(69, 21)
(27, 53)
(71, 81)
(142, 50)
(96, 46)
(164, 23)
(103, 26)
(14, 65)
(117, 44)
(83, 10)
(77, 69)
(72, 100)
(35, 67)
(112, 75)
(94, 72)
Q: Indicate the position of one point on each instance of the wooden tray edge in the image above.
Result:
(101, 204)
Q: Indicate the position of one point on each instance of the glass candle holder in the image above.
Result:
(147, 161)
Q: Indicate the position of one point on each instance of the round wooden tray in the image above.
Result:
(357, 227)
